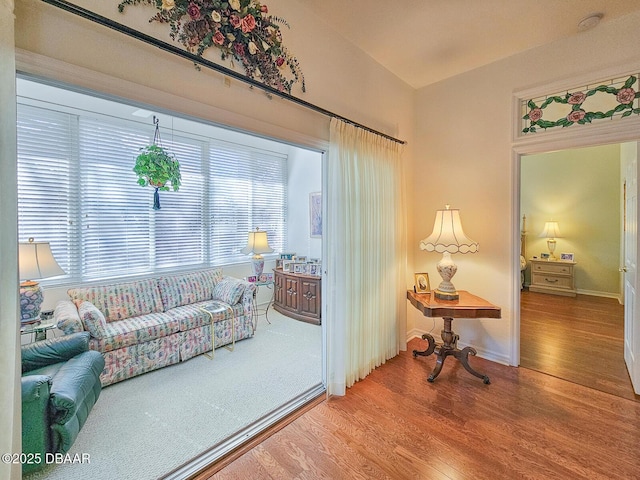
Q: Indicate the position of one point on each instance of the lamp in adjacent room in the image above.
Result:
(447, 238)
(551, 231)
(36, 262)
(257, 244)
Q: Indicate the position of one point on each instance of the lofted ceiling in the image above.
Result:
(425, 41)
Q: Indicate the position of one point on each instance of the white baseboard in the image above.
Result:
(617, 296)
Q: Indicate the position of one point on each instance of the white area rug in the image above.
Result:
(144, 427)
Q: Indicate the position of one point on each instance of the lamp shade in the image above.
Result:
(37, 261)
(447, 235)
(257, 243)
(550, 230)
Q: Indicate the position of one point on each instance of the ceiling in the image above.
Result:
(425, 41)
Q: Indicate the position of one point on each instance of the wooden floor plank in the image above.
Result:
(396, 425)
(578, 339)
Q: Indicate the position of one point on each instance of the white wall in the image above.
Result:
(463, 131)
(305, 177)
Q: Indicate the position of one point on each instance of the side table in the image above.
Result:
(216, 308)
(467, 306)
(39, 330)
(269, 284)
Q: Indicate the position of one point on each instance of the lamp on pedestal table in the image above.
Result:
(447, 238)
(551, 231)
(36, 262)
(257, 244)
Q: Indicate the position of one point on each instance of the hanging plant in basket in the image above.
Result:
(157, 168)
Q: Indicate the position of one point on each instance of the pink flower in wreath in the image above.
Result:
(235, 21)
(535, 114)
(264, 9)
(218, 38)
(576, 98)
(248, 23)
(239, 48)
(194, 11)
(279, 61)
(626, 95)
(576, 115)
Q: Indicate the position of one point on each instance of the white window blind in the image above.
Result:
(77, 190)
(248, 191)
(47, 153)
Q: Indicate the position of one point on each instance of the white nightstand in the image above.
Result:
(556, 278)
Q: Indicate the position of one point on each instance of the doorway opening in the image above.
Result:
(572, 323)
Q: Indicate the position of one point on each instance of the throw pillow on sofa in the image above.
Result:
(92, 319)
(228, 290)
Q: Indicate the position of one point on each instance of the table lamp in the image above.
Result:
(447, 238)
(36, 262)
(551, 231)
(257, 244)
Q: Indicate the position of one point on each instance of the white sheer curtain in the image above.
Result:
(10, 404)
(366, 267)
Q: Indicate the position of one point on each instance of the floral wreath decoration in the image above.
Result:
(241, 29)
(624, 96)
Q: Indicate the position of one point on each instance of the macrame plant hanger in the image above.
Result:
(158, 142)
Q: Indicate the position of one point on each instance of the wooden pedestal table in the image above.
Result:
(467, 306)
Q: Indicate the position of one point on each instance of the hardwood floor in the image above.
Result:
(396, 425)
(578, 339)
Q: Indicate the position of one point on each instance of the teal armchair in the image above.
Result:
(60, 386)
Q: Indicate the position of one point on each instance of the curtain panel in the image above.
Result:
(366, 225)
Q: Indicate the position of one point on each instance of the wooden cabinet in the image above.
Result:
(556, 278)
(298, 296)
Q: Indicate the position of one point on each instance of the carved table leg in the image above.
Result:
(463, 356)
(449, 347)
(430, 348)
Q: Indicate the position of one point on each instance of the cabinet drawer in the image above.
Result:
(556, 281)
(553, 267)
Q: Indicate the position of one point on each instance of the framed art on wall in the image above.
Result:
(315, 214)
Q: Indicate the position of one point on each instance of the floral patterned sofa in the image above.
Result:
(147, 324)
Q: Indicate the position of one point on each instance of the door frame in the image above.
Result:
(578, 136)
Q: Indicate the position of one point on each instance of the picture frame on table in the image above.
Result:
(422, 284)
(287, 256)
(299, 268)
(544, 256)
(286, 265)
(315, 269)
(567, 257)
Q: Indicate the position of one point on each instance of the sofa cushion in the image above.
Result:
(123, 300)
(192, 316)
(188, 288)
(92, 318)
(229, 290)
(67, 318)
(132, 331)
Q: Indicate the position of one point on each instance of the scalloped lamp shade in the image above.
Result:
(447, 238)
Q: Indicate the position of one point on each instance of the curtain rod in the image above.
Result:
(107, 22)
